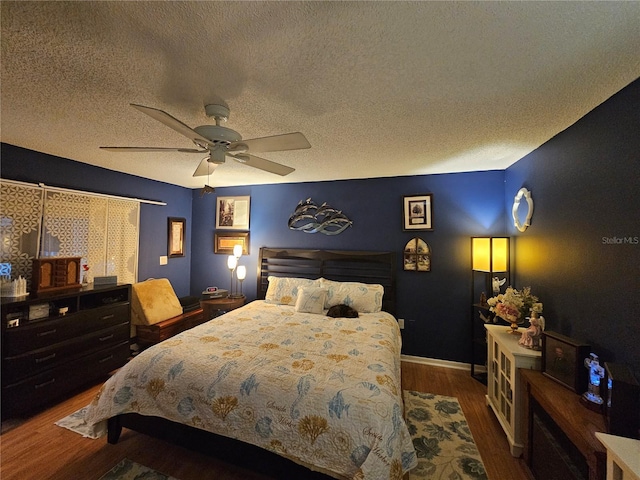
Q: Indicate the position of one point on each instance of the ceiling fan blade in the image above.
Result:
(263, 164)
(276, 143)
(174, 123)
(152, 149)
(205, 168)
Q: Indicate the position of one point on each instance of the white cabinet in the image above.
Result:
(504, 358)
(623, 457)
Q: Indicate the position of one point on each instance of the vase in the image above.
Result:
(513, 328)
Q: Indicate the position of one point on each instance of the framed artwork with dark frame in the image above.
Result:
(417, 212)
(223, 242)
(232, 213)
(176, 233)
(563, 360)
(417, 256)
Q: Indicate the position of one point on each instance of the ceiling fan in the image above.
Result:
(218, 142)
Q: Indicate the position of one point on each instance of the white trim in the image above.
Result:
(436, 362)
(69, 190)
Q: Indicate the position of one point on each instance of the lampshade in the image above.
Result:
(490, 254)
(232, 262)
(241, 272)
(237, 251)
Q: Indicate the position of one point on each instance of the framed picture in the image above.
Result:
(563, 360)
(418, 212)
(417, 256)
(232, 213)
(223, 242)
(175, 241)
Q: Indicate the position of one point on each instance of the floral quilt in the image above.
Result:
(321, 391)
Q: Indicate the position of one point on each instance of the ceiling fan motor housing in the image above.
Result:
(218, 134)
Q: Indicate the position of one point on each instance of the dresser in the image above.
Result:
(504, 391)
(56, 342)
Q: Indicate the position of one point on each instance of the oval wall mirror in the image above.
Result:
(522, 216)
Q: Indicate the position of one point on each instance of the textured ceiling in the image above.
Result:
(379, 88)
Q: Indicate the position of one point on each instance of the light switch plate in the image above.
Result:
(163, 260)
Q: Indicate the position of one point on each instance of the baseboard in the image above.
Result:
(436, 362)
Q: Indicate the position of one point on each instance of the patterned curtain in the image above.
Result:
(20, 217)
(101, 230)
(122, 240)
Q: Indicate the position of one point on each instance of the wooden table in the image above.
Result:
(214, 306)
(577, 422)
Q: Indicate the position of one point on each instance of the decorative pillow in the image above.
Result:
(311, 300)
(153, 301)
(284, 290)
(363, 297)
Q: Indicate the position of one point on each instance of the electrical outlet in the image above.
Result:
(401, 323)
(163, 260)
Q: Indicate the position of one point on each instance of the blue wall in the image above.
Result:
(35, 167)
(585, 183)
(436, 304)
(585, 187)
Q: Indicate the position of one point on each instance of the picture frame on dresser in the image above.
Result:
(563, 360)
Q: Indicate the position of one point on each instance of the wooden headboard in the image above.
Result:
(337, 265)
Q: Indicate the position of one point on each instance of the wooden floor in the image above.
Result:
(36, 448)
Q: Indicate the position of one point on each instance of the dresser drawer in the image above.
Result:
(56, 382)
(35, 361)
(37, 335)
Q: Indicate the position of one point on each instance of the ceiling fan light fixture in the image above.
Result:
(216, 155)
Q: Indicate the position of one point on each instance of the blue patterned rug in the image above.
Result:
(441, 437)
(128, 470)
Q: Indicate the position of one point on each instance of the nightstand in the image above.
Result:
(217, 306)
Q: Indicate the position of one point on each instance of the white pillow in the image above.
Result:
(284, 290)
(311, 300)
(364, 297)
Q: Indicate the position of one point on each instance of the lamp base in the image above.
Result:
(235, 295)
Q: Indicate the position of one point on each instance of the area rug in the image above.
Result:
(128, 470)
(441, 438)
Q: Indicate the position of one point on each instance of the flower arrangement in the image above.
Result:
(514, 305)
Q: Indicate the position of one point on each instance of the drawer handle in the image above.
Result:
(108, 337)
(45, 383)
(44, 359)
(48, 332)
(106, 359)
(107, 317)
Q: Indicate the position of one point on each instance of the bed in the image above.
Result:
(280, 375)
